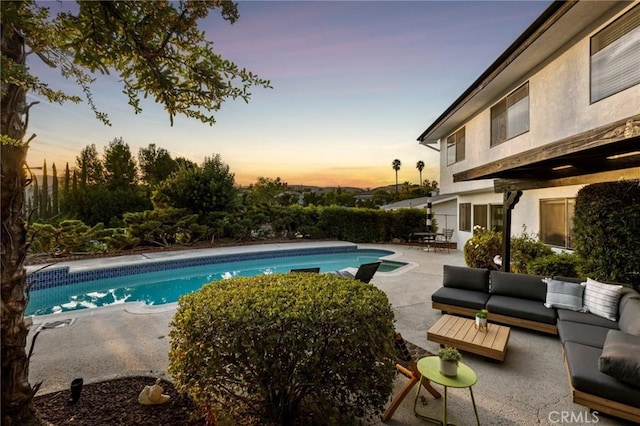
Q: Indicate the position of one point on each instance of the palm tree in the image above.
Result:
(396, 166)
(420, 167)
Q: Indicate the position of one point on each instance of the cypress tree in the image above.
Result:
(55, 199)
(36, 200)
(44, 193)
(66, 188)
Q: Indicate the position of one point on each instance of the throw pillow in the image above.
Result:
(602, 299)
(564, 295)
(620, 357)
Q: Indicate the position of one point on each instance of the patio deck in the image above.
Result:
(529, 387)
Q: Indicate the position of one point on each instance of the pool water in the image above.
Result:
(157, 288)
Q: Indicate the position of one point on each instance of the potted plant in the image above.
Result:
(481, 319)
(449, 358)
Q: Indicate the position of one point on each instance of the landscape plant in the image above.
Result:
(482, 247)
(525, 248)
(554, 264)
(607, 230)
(285, 348)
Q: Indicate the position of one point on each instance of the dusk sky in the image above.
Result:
(354, 84)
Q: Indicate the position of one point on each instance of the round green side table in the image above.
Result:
(429, 368)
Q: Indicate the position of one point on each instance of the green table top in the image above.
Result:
(429, 367)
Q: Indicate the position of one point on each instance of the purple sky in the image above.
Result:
(354, 84)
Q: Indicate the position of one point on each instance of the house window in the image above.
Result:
(615, 56)
(495, 217)
(480, 215)
(510, 116)
(455, 147)
(465, 217)
(556, 221)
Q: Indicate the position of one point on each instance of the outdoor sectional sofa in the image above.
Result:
(602, 356)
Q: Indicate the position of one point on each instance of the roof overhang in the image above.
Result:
(546, 38)
(602, 154)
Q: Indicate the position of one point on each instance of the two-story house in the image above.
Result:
(559, 109)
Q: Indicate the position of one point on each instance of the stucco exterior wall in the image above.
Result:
(559, 107)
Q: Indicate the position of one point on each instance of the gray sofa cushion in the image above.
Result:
(630, 316)
(620, 357)
(586, 334)
(586, 318)
(521, 308)
(458, 297)
(475, 279)
(522, 286)
(582, 361)
(564, 295)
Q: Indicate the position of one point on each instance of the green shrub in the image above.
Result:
(526, 248)
(353, 224)
(67, 237)
(480, 249)
(607, 230)
(285, 349)
(562, 264)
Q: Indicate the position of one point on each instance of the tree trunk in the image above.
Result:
(17, 393)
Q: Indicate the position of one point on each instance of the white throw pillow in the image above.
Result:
(602, 299)
(564, 295)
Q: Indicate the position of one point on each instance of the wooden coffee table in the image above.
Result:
(461, 333)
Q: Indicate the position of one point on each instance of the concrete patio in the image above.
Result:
(529, 387)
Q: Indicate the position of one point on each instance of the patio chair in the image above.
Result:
(407, 367)
(365, 272)
(447, 234)
(312, 270)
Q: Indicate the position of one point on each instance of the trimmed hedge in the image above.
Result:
(607, 230)
(285, 349)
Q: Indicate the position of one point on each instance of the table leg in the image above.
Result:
(475, 410)
(429, 418)
(444, 408)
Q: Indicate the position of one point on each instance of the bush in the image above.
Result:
(524, 249)
(480, 249)
(284, 349)
(562, 264)
(607, 230)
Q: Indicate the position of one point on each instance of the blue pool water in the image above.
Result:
(157, 288)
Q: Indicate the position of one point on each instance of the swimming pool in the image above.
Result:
(167, 285)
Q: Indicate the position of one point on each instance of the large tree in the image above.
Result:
(155, 164)
(395, 165)
(201, 190)
(157, 50)
(120, 169)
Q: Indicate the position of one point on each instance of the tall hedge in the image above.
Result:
(284, 349)
(607, 230)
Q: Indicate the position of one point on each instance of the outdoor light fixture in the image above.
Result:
(626, 154)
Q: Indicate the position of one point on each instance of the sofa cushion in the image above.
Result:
(620, 357)
(585, 318)
(586, 334)
(521, 286)
(564, 295)
(476, 279)
(630, 316)
(458, 297)
(582, 361)
(521, 308)
(602, 299)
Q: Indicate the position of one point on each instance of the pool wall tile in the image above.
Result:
(60, 276)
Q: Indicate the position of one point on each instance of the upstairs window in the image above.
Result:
(615, 56)
(510, 116)
(455, 147)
